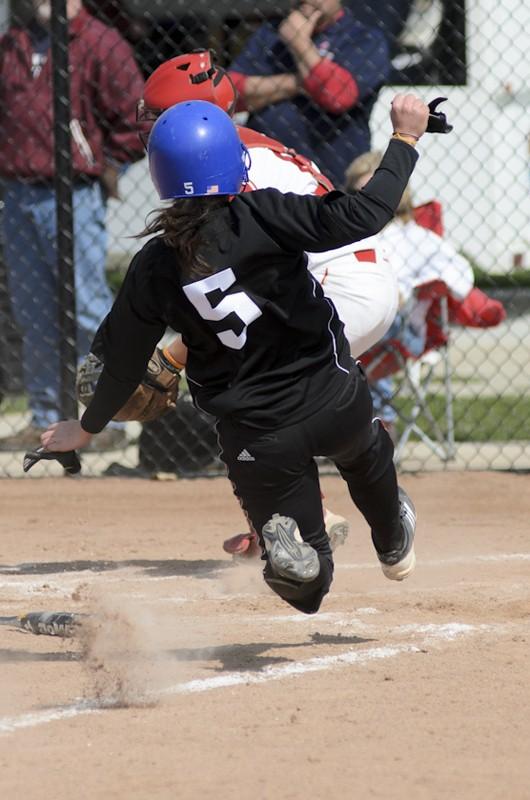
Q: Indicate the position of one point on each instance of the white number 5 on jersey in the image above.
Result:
(238, 303)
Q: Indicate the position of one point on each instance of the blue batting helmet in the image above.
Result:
(194, 150)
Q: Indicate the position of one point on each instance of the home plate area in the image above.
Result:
(186, 677)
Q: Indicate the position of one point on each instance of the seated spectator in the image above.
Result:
(420, 256)
(311, 80)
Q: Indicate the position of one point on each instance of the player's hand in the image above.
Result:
(63, 436)
(409, 115)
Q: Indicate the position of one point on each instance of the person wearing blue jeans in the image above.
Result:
(30, 256)
(105, 83)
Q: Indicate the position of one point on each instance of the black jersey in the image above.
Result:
(265, 347)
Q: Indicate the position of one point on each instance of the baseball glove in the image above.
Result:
(155, 395)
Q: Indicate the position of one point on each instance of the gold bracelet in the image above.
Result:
(408, 138)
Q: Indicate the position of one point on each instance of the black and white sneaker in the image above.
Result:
(289, 556)
(398, 564)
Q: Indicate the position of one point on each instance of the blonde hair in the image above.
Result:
(365, 165)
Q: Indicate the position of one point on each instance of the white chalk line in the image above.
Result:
(496, 557)
(446, 632)
(91, 575)
(435, 633)
(17, 585)
(12, 724)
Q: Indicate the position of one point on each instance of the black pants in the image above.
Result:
(275, 472)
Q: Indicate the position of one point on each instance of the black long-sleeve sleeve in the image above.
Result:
(124, 342)
(317, 224)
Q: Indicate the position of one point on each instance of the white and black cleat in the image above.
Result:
(398, 564)
(289, 556)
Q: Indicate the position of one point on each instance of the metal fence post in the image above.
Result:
(63, 192)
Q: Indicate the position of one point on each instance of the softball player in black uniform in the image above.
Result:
(267, 354)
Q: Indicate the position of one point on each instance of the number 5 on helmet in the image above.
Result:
(194, 150)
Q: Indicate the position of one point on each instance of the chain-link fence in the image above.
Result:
(318, 76)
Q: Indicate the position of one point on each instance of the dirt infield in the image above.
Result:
(191, 680)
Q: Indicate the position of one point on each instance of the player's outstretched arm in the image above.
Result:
(316, 224)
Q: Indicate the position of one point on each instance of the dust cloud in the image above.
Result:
(124, 653)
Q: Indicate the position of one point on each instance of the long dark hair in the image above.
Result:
(181, 225)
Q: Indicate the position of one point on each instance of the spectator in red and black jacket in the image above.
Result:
(311, 80)
(105, 83)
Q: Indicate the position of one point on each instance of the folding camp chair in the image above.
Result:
(413, 375)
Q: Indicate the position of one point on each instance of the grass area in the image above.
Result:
(482, 419)
(115, 279)
(477, 419)
(14, 404)
(514, 279)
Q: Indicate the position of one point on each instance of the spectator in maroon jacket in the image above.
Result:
(105, 83)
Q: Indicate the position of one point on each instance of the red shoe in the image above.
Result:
(244, 545)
